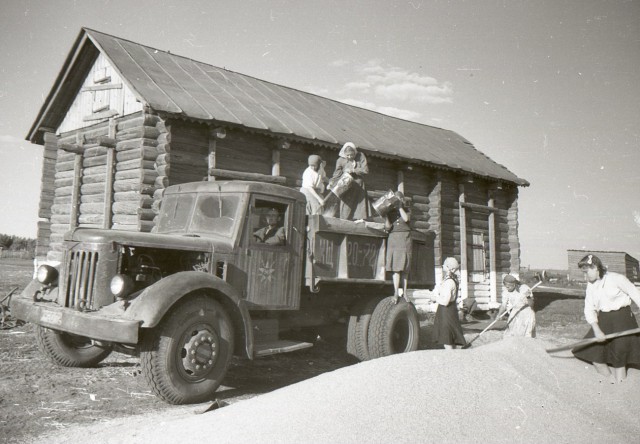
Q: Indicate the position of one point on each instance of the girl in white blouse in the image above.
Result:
(313, 180)
(607, 308)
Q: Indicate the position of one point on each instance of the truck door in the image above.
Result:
(273, 249)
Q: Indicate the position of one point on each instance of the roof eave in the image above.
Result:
(35, 132)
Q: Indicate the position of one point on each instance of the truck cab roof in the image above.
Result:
(235, 186)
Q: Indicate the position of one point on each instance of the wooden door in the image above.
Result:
(273, 263)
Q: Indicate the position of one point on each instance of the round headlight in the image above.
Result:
(121, 286)
(46, 274)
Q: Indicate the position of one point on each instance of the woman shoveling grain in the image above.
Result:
(607, 308)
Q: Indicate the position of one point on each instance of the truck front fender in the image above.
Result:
(157, 299)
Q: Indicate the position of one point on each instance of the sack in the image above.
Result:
(342, 185)
(386, 203)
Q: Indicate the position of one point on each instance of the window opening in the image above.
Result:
(269, 223)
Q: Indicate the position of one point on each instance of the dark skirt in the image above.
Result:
(447, 329)
(354, 204)
(616, 352)
(399, 248)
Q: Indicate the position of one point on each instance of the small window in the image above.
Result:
(269, 223)
(478, 253)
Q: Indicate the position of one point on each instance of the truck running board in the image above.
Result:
(279, 346)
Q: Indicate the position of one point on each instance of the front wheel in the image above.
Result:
(394, 328)
(186, 357)
(69, 350)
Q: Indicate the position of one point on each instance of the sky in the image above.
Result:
(548, 88)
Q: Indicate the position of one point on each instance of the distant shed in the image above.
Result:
(617, 261)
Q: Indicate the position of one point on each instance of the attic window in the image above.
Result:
(101, 76)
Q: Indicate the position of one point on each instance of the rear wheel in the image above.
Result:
(358, 330)
(394, 328)
(69, 350)
(186, 357)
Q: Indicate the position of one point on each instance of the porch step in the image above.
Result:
(279, 346)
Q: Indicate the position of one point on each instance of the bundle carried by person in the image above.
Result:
(387, 202)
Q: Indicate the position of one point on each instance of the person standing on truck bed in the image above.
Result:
(447, 329)
(399, 247)
(353, 202)
(271, 234)
(313, 180)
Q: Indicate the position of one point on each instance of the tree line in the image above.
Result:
(17, 243)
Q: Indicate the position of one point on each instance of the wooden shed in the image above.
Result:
(617, 261)
(123, 121)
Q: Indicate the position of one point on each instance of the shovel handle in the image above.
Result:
(483, 331)
(589, 341)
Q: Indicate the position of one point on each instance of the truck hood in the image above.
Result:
(153, 240)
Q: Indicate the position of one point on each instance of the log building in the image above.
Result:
(123, 121)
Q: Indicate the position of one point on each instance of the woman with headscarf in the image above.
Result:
(313, 180)
(517, 299)
(354, 203)
(399, 247)
(447, 329)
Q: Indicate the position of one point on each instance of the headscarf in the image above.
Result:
(315, 160)
(451, 264)
(509, 279)
(346, 146)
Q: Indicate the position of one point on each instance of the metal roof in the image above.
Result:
(180, 86)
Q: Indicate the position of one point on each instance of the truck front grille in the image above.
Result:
(81, 280)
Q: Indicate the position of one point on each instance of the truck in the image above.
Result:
(202, 288)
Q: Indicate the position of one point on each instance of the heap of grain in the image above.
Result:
(506, 391)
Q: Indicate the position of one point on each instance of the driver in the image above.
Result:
(271, 234)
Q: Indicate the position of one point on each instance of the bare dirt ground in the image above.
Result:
(38, 398)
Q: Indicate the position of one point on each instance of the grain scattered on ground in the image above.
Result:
(506, 391)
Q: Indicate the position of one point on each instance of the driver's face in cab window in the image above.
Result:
(272, 232)
(272, 217)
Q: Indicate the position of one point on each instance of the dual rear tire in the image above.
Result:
(380, 328)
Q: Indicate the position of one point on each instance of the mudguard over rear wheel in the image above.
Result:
(69, 350)
(394, 328)
(185, 358)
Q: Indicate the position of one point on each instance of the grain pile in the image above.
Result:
(507, 391)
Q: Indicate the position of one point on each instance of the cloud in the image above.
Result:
(388, 110)
(338, 63)
(397, 84)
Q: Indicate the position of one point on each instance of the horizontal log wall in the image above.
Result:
(247, 152)
(188, 149)
(114, 194)
(449, 215)
(152, 154)
(49, 157)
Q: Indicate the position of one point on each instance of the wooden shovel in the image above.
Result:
(589, 341)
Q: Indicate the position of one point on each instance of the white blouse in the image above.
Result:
(610, 293)
(447, 292)
(313, 179)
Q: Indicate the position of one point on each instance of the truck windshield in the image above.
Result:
(198, 214)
